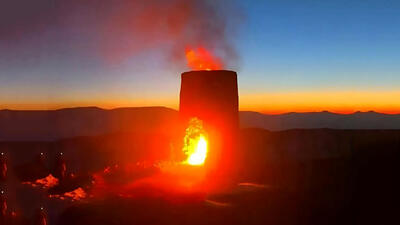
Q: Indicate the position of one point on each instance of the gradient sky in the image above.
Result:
(293, 55)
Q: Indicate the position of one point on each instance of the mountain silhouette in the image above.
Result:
(315, 120)
(48, 125)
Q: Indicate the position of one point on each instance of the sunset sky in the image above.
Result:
(291, 55)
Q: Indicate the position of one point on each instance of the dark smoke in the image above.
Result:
(116, 29)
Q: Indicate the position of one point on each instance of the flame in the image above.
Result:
(195, 143)
(75, 195)
(199, 155)
(46, 182)
(201, 59)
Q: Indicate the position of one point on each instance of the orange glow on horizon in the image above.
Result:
(343, 102)
(201, 59)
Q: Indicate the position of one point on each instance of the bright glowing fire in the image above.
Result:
(75, 195)
(195, 143)
(201, 59)
(46, 182)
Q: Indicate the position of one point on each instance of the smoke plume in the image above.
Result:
(117, 29)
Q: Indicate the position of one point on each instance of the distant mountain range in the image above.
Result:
(48, 125)
(313, 120)
(16, 125)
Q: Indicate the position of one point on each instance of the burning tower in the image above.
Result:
(212, 97)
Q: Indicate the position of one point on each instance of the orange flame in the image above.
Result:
(195, 143)
(75, 195)
(201, 59)
(46, 182)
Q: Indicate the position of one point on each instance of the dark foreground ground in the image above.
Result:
(291, 177)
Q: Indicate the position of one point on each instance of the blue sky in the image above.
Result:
(302, 45)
